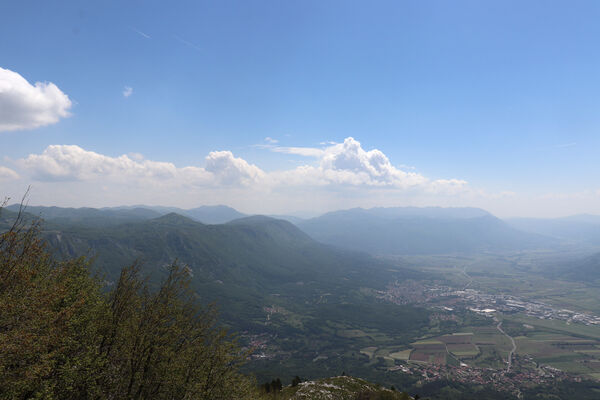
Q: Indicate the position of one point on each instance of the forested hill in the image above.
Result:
(233, 251)
(237, 264)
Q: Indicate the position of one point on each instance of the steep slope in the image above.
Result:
(418, 231)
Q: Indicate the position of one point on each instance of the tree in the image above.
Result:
(47, 319)
(62, 335)
(163, 345)
(296, 381)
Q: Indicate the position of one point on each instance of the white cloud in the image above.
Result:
(187, 43)
(349, 164)
(269, 139)
(26, 106)
(127, 91)
(341, 175)
(300, 151)
(7, 174)
(72, 163)
(341, 165)
(230, 170)
(142, 34)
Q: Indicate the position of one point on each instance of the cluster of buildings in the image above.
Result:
(259, 345)
(488, 303)
(415, 292)
(525, 374)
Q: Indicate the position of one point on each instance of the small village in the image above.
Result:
(525, 373)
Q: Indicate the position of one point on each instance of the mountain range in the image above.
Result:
(242, 265)
(411, 230)
(379, 231)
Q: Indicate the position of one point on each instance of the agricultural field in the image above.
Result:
(478, 346)
(429, 351)
(572, 348)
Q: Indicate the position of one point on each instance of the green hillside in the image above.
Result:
(243, 265)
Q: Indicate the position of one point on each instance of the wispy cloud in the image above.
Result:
(142, 34)
(550, 147)
(299, 151)
(269, 139)
(127, 91)
(187, 43)
(563, 145)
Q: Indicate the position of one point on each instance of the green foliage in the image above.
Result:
(161, 344)
(62, 337)
(47, 320)
(238, 265)
(296, 381)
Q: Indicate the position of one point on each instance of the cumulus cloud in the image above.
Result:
(72, 163)
(7, 174)
(231, 170)
(338, 175)
(349, 164)
(344, 164)
(127, 91)
(26, 106)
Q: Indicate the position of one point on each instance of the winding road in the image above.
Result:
(514, 348)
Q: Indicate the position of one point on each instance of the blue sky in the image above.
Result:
(499, 97)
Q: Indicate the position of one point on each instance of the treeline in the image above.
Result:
(64, 336)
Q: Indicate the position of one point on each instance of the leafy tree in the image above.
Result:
(162, 344)
(62, 337)
(296, 381)
(47, 319)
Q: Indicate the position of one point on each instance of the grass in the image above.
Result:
(369, 351)
(351, 333)
(463, 350)
(557, 326)
(401, 355)
(426, 342)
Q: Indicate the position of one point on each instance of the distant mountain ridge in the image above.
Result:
(387, 231)
(115, 215)
(414, 230)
